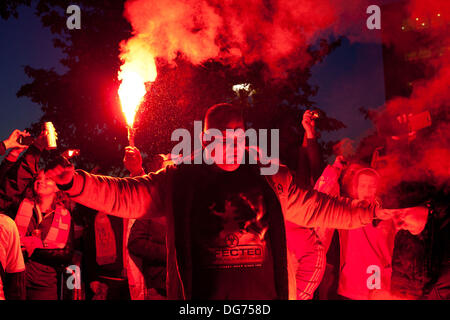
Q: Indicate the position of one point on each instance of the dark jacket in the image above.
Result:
(147, 240)
(170, 193)
(310, 164)
(421, 264)
(16, 179)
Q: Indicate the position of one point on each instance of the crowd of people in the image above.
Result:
(220, 231)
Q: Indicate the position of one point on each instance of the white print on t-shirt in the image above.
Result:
(238, 246)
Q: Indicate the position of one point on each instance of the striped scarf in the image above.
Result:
(59, 231)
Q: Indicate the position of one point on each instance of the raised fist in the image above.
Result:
(61, 171)
(309, 124)
(133, 161)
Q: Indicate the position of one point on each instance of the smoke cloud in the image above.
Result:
(276, 32)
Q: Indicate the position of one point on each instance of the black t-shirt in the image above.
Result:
(230, 237)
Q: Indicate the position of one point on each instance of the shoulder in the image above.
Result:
(6, 222)
(282, 176)
(7, 228)
(280, 181)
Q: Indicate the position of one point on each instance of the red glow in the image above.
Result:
(276, 32)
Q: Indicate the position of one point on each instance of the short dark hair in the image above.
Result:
(220, 114)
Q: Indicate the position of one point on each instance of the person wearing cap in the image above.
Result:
(366, 252)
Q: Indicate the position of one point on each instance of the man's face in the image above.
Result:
(232, 148)
(367, 187)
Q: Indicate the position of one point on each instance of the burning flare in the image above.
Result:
(137, 69)
(131, 92)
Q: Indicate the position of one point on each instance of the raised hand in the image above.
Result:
(133, 161)
(61, 171)
(309, 124)
(11, 142)
(412, 219)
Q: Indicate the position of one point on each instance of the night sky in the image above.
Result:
(24, 42)
(350, 77)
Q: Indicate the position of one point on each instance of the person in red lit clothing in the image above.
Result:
(303, 243)
(12, 266)
(42, 215)
(104, 246)
(366, 253)
(225, 221)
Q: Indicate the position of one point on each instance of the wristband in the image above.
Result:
(65, 187)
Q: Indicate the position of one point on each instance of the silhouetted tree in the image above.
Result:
(83, 104)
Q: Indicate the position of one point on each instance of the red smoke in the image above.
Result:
(427, 157)
(276, 32)
(279, 32)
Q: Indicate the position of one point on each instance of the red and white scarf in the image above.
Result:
(59, 230)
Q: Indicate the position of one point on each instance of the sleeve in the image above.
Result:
(19, 176)
(302, 173)
(310, 208)
(315, 159)
(15, 286)
(142, 244)
(310, 164)
(4, 168)
(129, 198)
(14, 257)
(2, 148)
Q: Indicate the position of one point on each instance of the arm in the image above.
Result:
(20, 175)
(9, 161)
(315, 209)
(310, 156)
(310, 164)
(4, 168)
(314, 154)
(11, 142)
(122, 197)
(15, 286)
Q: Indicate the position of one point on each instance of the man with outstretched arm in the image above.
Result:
(225, 222)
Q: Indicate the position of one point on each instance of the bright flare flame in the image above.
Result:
(131, 93)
